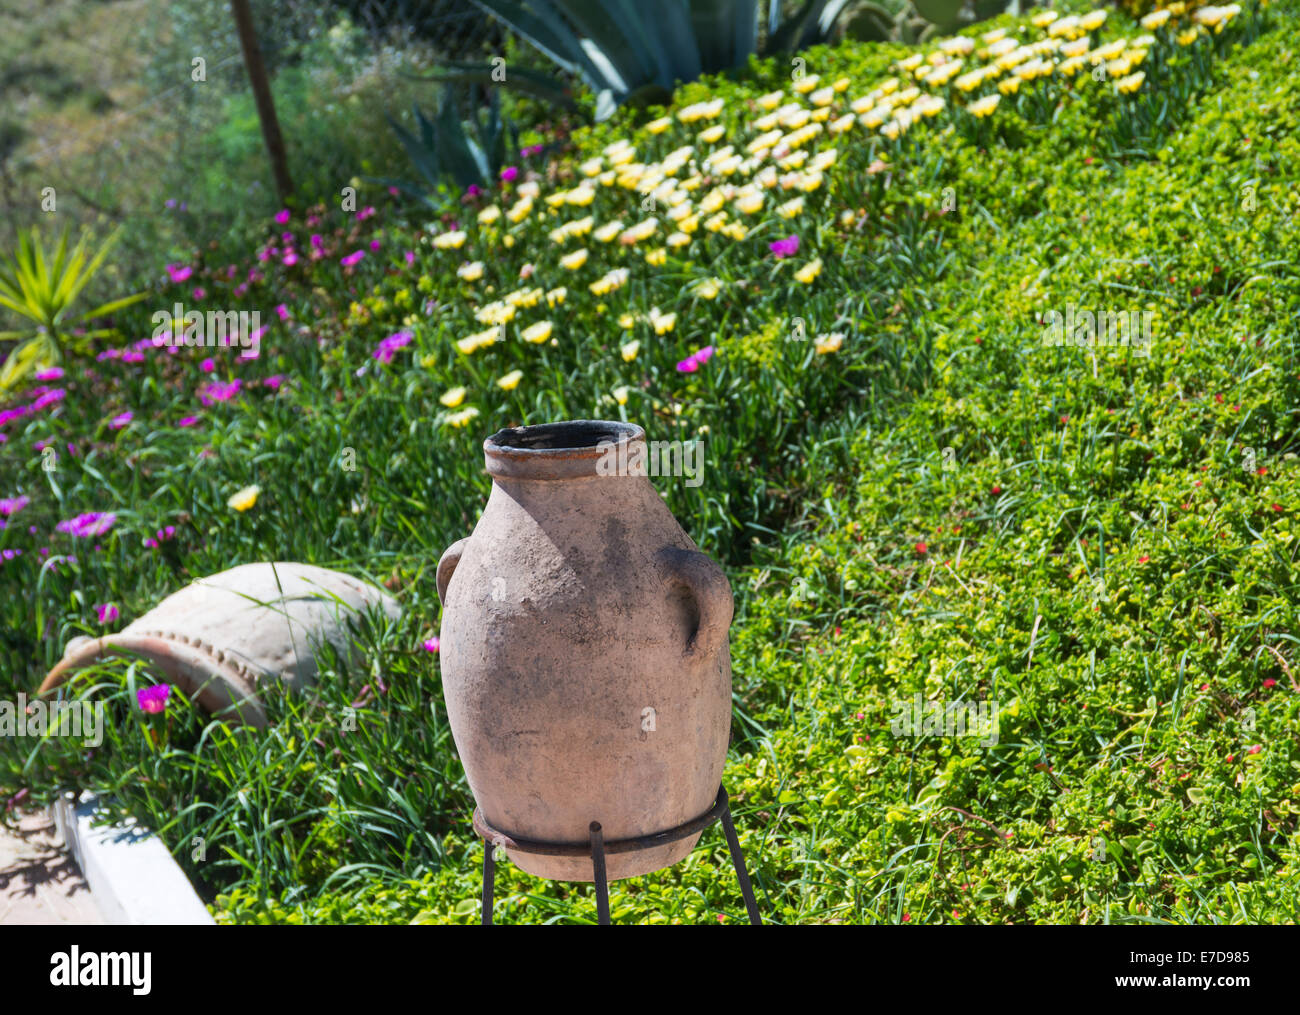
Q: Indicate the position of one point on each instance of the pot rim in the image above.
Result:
(568, 449)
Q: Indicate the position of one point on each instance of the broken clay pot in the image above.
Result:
(223, 637)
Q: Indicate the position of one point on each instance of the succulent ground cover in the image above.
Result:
(842, 279)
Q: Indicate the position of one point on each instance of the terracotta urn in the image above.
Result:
(584, 651)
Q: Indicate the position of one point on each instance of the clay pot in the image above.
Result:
(584, 652)
(222, 637)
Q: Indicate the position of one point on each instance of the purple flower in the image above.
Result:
(473, 190)
(410, 257)
(365, 212)
(187, 421)
(121, 420)
(12, 505)
(274, 381)
(92, 523)
(695, 360)
(49, 374)
(282, 216)
(10, 554)
(48, 398)
(784, 248)
(531, 150)
(283, 312)
(153, 699)
(107, 613)
(352, 258)
(316, 240)
(200, 292)
(509, 173)
(218, 392)
(179, 272)
(432, 645)
(290, 258)
(208, 365)
(385, 350)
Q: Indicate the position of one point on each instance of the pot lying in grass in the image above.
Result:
(223, 637)
(584, 651)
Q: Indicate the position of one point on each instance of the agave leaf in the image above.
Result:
(726, 30)
(538, 84)
(553, 38)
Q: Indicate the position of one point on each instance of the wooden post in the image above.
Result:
(262, 96)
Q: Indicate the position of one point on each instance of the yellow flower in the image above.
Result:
(678, 240)
(608, 231)
(497, 312)
(471, 271)
(1188, 37)
(510, 381)
(575, 260)
(709, 288)
(453, 397)
(657, 256)
(556, 296)
(1044, 19)
(662, 323)
(629, 351)
(842, 124)
(828, 343)
(608, 282)
(479, 340)
(806, 84)
(1009, 85)
(461, 418)
(244, 499)
(620, 394)
(791, 208)
(712, 134)
(1155, 20)
(822, 97)
(626, 321)
(1092, 20)
(660, 125)
(750, 203)
(842, 85)
(489, 215)
(809, 271)
(520, 210)
(591, 167)
(538, 333)
(1131, 83)
(770, 101)
(450, 241)
(981, 108)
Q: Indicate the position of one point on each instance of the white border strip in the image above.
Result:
(132, 877)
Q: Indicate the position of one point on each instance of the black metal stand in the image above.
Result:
(597, 849)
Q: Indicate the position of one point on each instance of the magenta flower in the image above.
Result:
(48, 398)
(92, 523)
(12, 505)
(179, 272)
(473, 190)
(784, 248)
(432, 645)
(153, 699)
(10, 554)
(107, 613)
(187, 420)
(509, 173)
(316, 240)
(218, 392)
(199, 292)
(385, 350)
(365, 212)
(290, 258)
(282, 312)
(50, 374)
(274, 381)
(695, 360)
(531, 150)
(352, 258)
(410, 257)
(121, 420)
(208, 365)
(282, 216)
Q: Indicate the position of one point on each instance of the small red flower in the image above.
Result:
(1254, 748)
(1230, 757)
(1064, 420)
(1277, 507)
(1143, 559)
(922, 549)
(1270, 682)
(1197, 290)
(995, 490)
(1262, 470)
(1219, 399)
(907, 917)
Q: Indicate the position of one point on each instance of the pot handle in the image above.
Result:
(709, 588)
(447, 567)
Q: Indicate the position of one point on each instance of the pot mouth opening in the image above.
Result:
(564, 450)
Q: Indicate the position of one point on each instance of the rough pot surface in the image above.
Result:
(223, 636)
(584, 652)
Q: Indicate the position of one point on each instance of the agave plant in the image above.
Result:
(629, 50)
(444, 148)
(42, 289)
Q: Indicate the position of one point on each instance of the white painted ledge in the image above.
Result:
(132, 877)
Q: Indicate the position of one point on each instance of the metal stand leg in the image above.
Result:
(598, 867)
(489, 878)
(738, 860)
(597, 849)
